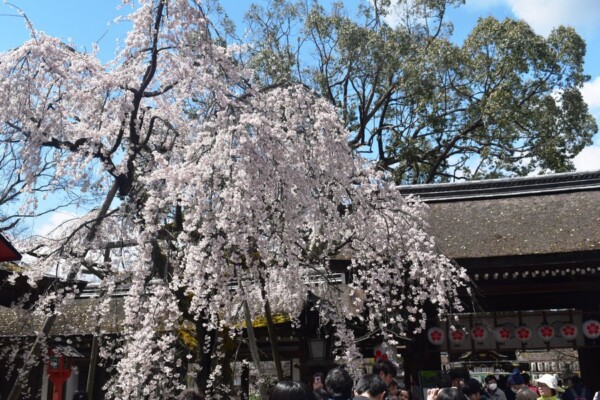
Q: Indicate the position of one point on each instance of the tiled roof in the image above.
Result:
(525, 216)
(77, 318)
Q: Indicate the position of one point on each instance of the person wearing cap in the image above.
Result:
(548, 387)
(492, 391)
(519, 388)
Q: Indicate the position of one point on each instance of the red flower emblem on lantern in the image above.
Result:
(591, 329)
(435, 336)
(568, 331)
(457, 336)
(546, 332)
(502, 334)
(479, 333)
(523, 333)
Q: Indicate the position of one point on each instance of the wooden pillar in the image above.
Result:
(245, 383)
(589, 366)
(420, 355)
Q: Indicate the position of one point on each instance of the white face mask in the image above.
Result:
(493, 386)
(514, 390)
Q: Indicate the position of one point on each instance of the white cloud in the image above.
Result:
(591, 93)
(53, 221)
(543, 15)
(588, 159)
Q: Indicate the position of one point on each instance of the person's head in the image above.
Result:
(321, 394)
(575, 380)
(450, 394)
(318, 380)
(491, 382)
(547, 385)
(459, 376)
(290, 390)
(526, 378)
(371, 386)
(190, 394)
(472, 389)
(393, 388)
(515, 381)
(386, 370)
(339, 383)
(444, 381)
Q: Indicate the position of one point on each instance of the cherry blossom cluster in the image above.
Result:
(229, 194)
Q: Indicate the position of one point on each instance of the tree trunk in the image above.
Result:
(89, 388)
(271, 330)
(273, 340)
(254, 348)
(204, 358)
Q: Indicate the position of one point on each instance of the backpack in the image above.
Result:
(578, 396)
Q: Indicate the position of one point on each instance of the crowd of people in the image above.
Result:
(339, 385)
(457, 384)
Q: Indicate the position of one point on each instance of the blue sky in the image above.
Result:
(84, 22)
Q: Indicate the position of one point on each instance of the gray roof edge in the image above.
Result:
(505, 187)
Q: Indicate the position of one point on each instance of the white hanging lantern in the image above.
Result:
(523, 333)
(502, 334)
(546, 332)
(435, 335)
(479, 333)
(569, 331)
(591, 329)
(457, 335)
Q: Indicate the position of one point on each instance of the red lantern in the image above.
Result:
(569, 331)
(435, 336)
(502, 334)
(457, 335)
(479, 333)
(545, 332)
(591, 329)
(523, 333)
(59, 370)
(380, 356)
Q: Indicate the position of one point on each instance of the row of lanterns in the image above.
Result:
(502, 333)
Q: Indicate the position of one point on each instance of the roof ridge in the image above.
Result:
(505, 187)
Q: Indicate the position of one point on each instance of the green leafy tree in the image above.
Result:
(506, 102)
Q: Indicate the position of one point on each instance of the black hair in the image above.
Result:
(471, 387)
(526, 378)
(490, 377)
(385, 366)
(339, 383)
(450, 394)
(459, 373)
(371, 384)
(190, 394)
(320, 394)
(291, 390)
(575, 380)
(444, 381)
